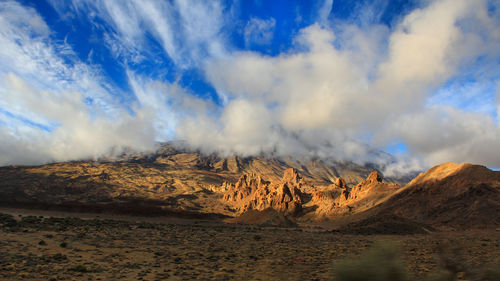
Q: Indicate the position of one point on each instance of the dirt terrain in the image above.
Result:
(65, 248)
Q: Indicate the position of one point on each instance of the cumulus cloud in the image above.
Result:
(326, 98)
(76, 133)
(448, 134)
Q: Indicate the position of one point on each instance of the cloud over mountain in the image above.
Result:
(229, 81)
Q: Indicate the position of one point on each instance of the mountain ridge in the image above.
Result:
(174, 181)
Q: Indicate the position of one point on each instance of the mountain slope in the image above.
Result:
(462, 195)
(173, 178)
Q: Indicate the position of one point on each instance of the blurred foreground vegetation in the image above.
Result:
(383, 262)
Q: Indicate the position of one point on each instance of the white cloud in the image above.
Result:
(45, 116)
(259, 31)
(442, 134)
(167, 103)
(422, 48)
(202, 23)
(77, 134)
(330, 97)
(323, 96)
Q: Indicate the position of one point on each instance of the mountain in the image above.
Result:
(172, 179)
(458, 195)
(266, 190)
(448, 195)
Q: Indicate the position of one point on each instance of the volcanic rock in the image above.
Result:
(251, 192)
(372, 186)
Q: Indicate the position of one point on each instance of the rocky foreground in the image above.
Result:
(64, 248)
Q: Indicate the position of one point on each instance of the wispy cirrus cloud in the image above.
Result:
(53, 106)
(324, 11)
(187, 31)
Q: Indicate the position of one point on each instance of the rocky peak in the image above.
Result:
(375, 176)
(251, 192)
(291, 175)
(340, 183)
(249, 180)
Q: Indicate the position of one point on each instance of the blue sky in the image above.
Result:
(331, 79)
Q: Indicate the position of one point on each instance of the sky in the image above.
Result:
(405, 84)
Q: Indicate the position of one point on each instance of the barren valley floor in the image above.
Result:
(70, 248)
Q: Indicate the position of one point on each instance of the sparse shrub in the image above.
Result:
(30, 220)
(7, 220)
(63, 245)
(381, 263)
(79, 268)
(42, 243)
(451, 260)
(58, 257)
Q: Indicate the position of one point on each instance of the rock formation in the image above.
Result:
(251, 192)
(292, 194)
(330, 199)
(370, 192)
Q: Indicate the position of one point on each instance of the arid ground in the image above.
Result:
(60, 246)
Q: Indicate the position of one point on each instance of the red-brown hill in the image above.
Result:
(457, 195)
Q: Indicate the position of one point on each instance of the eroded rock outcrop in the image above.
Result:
(219, 188)
(369, 192)
(330, 199)
(339, 199)
(251, 192)
(292, 194)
